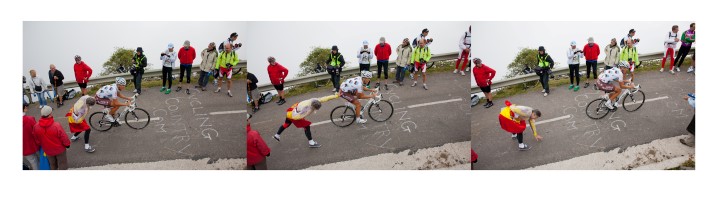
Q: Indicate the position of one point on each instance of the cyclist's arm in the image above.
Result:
(363, 96)
(123, 97)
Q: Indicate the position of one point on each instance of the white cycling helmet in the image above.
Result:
(120, 81)
(366, 74)
(623, 64)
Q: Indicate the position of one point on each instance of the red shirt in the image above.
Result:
(483, 75)
(257, 150)
(186, 56)
(82, 72)
(29, 145)
(591, 53)
(277, 73)
(50, 136)
(383, 52)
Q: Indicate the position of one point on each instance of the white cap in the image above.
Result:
(171, 45)
(365, 42)
(573, 43)
(46, 111)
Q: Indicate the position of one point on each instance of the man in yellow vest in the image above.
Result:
(335, 64)
(420, 56)
(226, 60)
(545, 63)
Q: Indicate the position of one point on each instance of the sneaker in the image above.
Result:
(489, 105)
(228, 93)
(178, 89)
(672, 72)
(89, 149)
(401, 83)
(316, 145)
(663, 69)
(361, 121)
(217, 90)
(276, 137)
(414, 84)
(187, 91)
(168, 91)
(523, 147)
(677, 69)
(485, 104)
(256, 110)
(281, 102)
(455, 71)
(386, 88)
(412, 77)
(586, 85)
(690, 69)
(162, 89)
(513, 136)
(571, 87)
(609, 105)
(462, 73)
(467, 69)
(543, 91)
(577, 88)
(425, 86)
(545, 94)
(73, 139)
(203, 89)
(135, 91)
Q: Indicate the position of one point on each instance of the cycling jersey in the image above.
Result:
(354, 84)
(609, 75)
(108, 92)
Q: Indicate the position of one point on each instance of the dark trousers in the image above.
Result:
(204, 78)
(364, 67)
(86, 136)
(691, 126)
(287, 124)
(382, 65)
(167, 76)
(137, 79)
(544, 80)
(399, 73)
(574, 74)
(682, 52)
(335, 77)
(591, 66)
(185, 69)
(520, 138)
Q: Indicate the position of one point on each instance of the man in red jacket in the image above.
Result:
(382, 52)
(257, 149)
(82, 74)
(591, 51)
(483, 78)
(52, 138)
(30, 148)
(277, 74)
(186, 55)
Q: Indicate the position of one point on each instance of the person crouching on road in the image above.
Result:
(77, 123)
(513, 119)
(296, 115)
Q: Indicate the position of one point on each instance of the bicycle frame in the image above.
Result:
(371, 101)
(125, 109)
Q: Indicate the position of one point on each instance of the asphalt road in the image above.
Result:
(197, 126)
(569, 133)
(422, 119)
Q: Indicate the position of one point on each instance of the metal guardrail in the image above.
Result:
(148, 73)
(533, 77)
(346, 71)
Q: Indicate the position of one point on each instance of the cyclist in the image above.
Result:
(512, 119)
(296, 115)
(108, 96)
(352, 90)
(604, 82)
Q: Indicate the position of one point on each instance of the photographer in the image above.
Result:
(168, 58)
(139, 62)
(545, 64)
(574, 54)
(335, 64)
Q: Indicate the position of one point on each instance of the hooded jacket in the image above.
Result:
(383, 52)
(82, 72)
(209, 58)
(277, 73)
(257, 149)
(186, 55)
(403, 55)
(612, 54)
(50, 136)
(29, 144)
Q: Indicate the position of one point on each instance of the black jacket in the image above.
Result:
(253, 82)
(59, 75)
(341, 59)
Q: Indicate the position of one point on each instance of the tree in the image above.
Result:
(121, 57)
(527, 57)
(316, 57)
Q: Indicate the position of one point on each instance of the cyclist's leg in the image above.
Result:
(356, 102)
(615, 93)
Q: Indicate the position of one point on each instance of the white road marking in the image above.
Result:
(434, 103)
(568, 116)
(321, 122)
(228, 112)
(141, 120)
(649, 100)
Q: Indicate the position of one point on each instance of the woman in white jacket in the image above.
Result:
(168, 60)
(37, 87)
(404, 51)
(574, 54)
(365, 55)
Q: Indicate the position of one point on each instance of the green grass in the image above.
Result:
(690, 163)
(652, 65)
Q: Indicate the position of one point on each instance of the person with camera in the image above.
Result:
(420, 56)
(82, 74)
(630, 54)
(168, 58)
(139, 62)
(365, 55)
(545, 65)
(277, 74)
(226, 60)
(404, 51)
(574, 54)
(428, 41)
(335, 64)
(628, 38)
(38, 87)
(209, 58)
(56, 80)
(186, 56)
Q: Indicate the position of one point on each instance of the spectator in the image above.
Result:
(226, 60)
(277, 74)
(428, 41)
(139, 64)
(209, 58)
(690, 141)
(30, 148)
(336, 62)
(628, 38)
(230, 40)
(186, 56)
(253, 91)
(612, 53)
(545, 65)
(257, 149)
(38, 88)
(670, 42)
(82, 74)
(591, 51)
(52, 138)
(420, 56)
(404, 51)
(483, 78)
(168, 58)
(56, 80)
(76, 120)
(688, 38)
(464, 54)
(365, 54)
(574, 54)
(382, 52)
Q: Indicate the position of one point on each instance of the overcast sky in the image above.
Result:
(497, 43)
(291, 42)
(46, 43)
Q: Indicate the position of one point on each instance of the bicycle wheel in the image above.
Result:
(596, 109)
(342, 116)
(632, 102)
(381, 111)
(98, 122)
(137, 119)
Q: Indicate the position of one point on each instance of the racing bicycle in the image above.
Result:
(133, 116)
(379, 110)
(632, 100)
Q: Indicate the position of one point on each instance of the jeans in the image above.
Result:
(544, 77)
(204, 77)
(591, 65)
(682, 52)
(400, 73)
(167, 77)
(50, 95)
(382, 64)
(185, 69)
(137, 79)
(33, 160)
(574, 74)
(41, 98)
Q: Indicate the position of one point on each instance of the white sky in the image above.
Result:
(497, 43)
(290, 42)
(46, 43)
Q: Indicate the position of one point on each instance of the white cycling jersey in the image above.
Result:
(108, 92)
(610, 75)
(351, 84)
